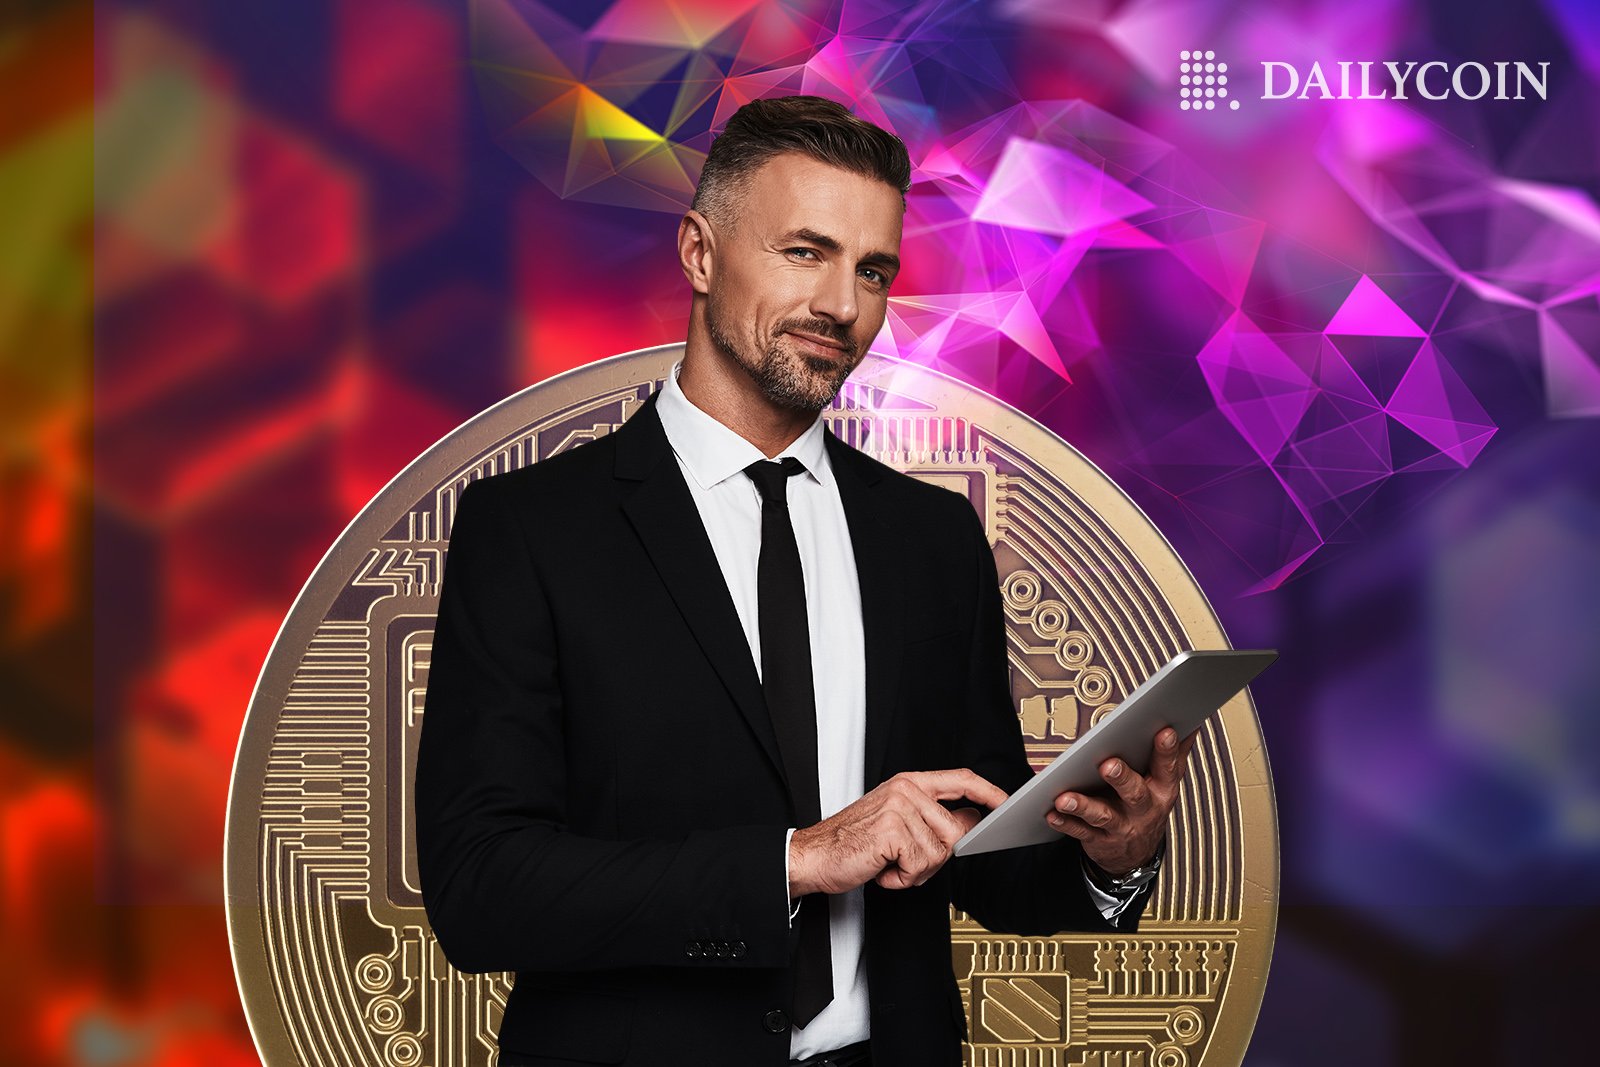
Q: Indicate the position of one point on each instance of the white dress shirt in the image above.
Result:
(713, 458)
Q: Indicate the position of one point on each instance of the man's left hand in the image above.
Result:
(1123, 831)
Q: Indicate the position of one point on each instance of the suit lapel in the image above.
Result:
(664, 515)
(873, 542)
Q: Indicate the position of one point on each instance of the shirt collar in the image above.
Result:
(712, 452)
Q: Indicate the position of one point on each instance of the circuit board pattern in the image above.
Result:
(335, 960)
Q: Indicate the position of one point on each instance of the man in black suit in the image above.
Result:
(664, 656)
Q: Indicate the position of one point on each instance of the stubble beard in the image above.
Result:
(787, 377)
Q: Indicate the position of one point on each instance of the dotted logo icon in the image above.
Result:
(1202, 81)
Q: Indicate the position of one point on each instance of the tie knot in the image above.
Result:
(772, 477)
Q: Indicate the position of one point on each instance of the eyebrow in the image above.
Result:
(822, 240)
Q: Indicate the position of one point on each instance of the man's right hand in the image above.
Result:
(897, 835)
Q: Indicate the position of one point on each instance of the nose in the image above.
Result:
(835, 295)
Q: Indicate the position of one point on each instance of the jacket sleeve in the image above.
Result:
(506, 886)
(1037, 890)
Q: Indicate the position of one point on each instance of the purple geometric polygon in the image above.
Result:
(1569, 346)
(1040, 187)
(1322, 423)
(1368, 311)
(1011, 205)
(620, 109)
(920, 328)
(1523, 244)
(1024, 215)
(1149, 34)
(1257, 386)
(1436, 405)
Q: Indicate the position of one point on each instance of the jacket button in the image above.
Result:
(693, 949)
(738, 949)
(721, 949)
(776, 1021)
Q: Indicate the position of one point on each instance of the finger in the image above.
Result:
(925, 852)
(959, 784)
(909, 795)
(897, 847)
(892, 877)
(1167, 758)
(968, 818)
(947, 826)
(1071, 825)
(1097, 813)
(1128, 783)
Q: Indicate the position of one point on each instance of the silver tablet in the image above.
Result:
(1187, 689)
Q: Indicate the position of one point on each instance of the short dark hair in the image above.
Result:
(813, 125)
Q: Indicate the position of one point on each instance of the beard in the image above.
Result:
(785, 375)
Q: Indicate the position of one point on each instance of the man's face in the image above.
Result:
(801, 281)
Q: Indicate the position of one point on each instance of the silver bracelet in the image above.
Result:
(1121, 885)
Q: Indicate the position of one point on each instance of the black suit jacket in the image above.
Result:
(600, 803)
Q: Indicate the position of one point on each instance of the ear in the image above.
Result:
(696, 248)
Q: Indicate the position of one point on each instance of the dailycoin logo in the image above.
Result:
(1203, 81)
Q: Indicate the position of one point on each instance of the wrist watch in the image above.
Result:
(1122, 885)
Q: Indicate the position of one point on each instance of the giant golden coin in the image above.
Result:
(335, 961)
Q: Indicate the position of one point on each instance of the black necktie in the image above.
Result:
(791, 700)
